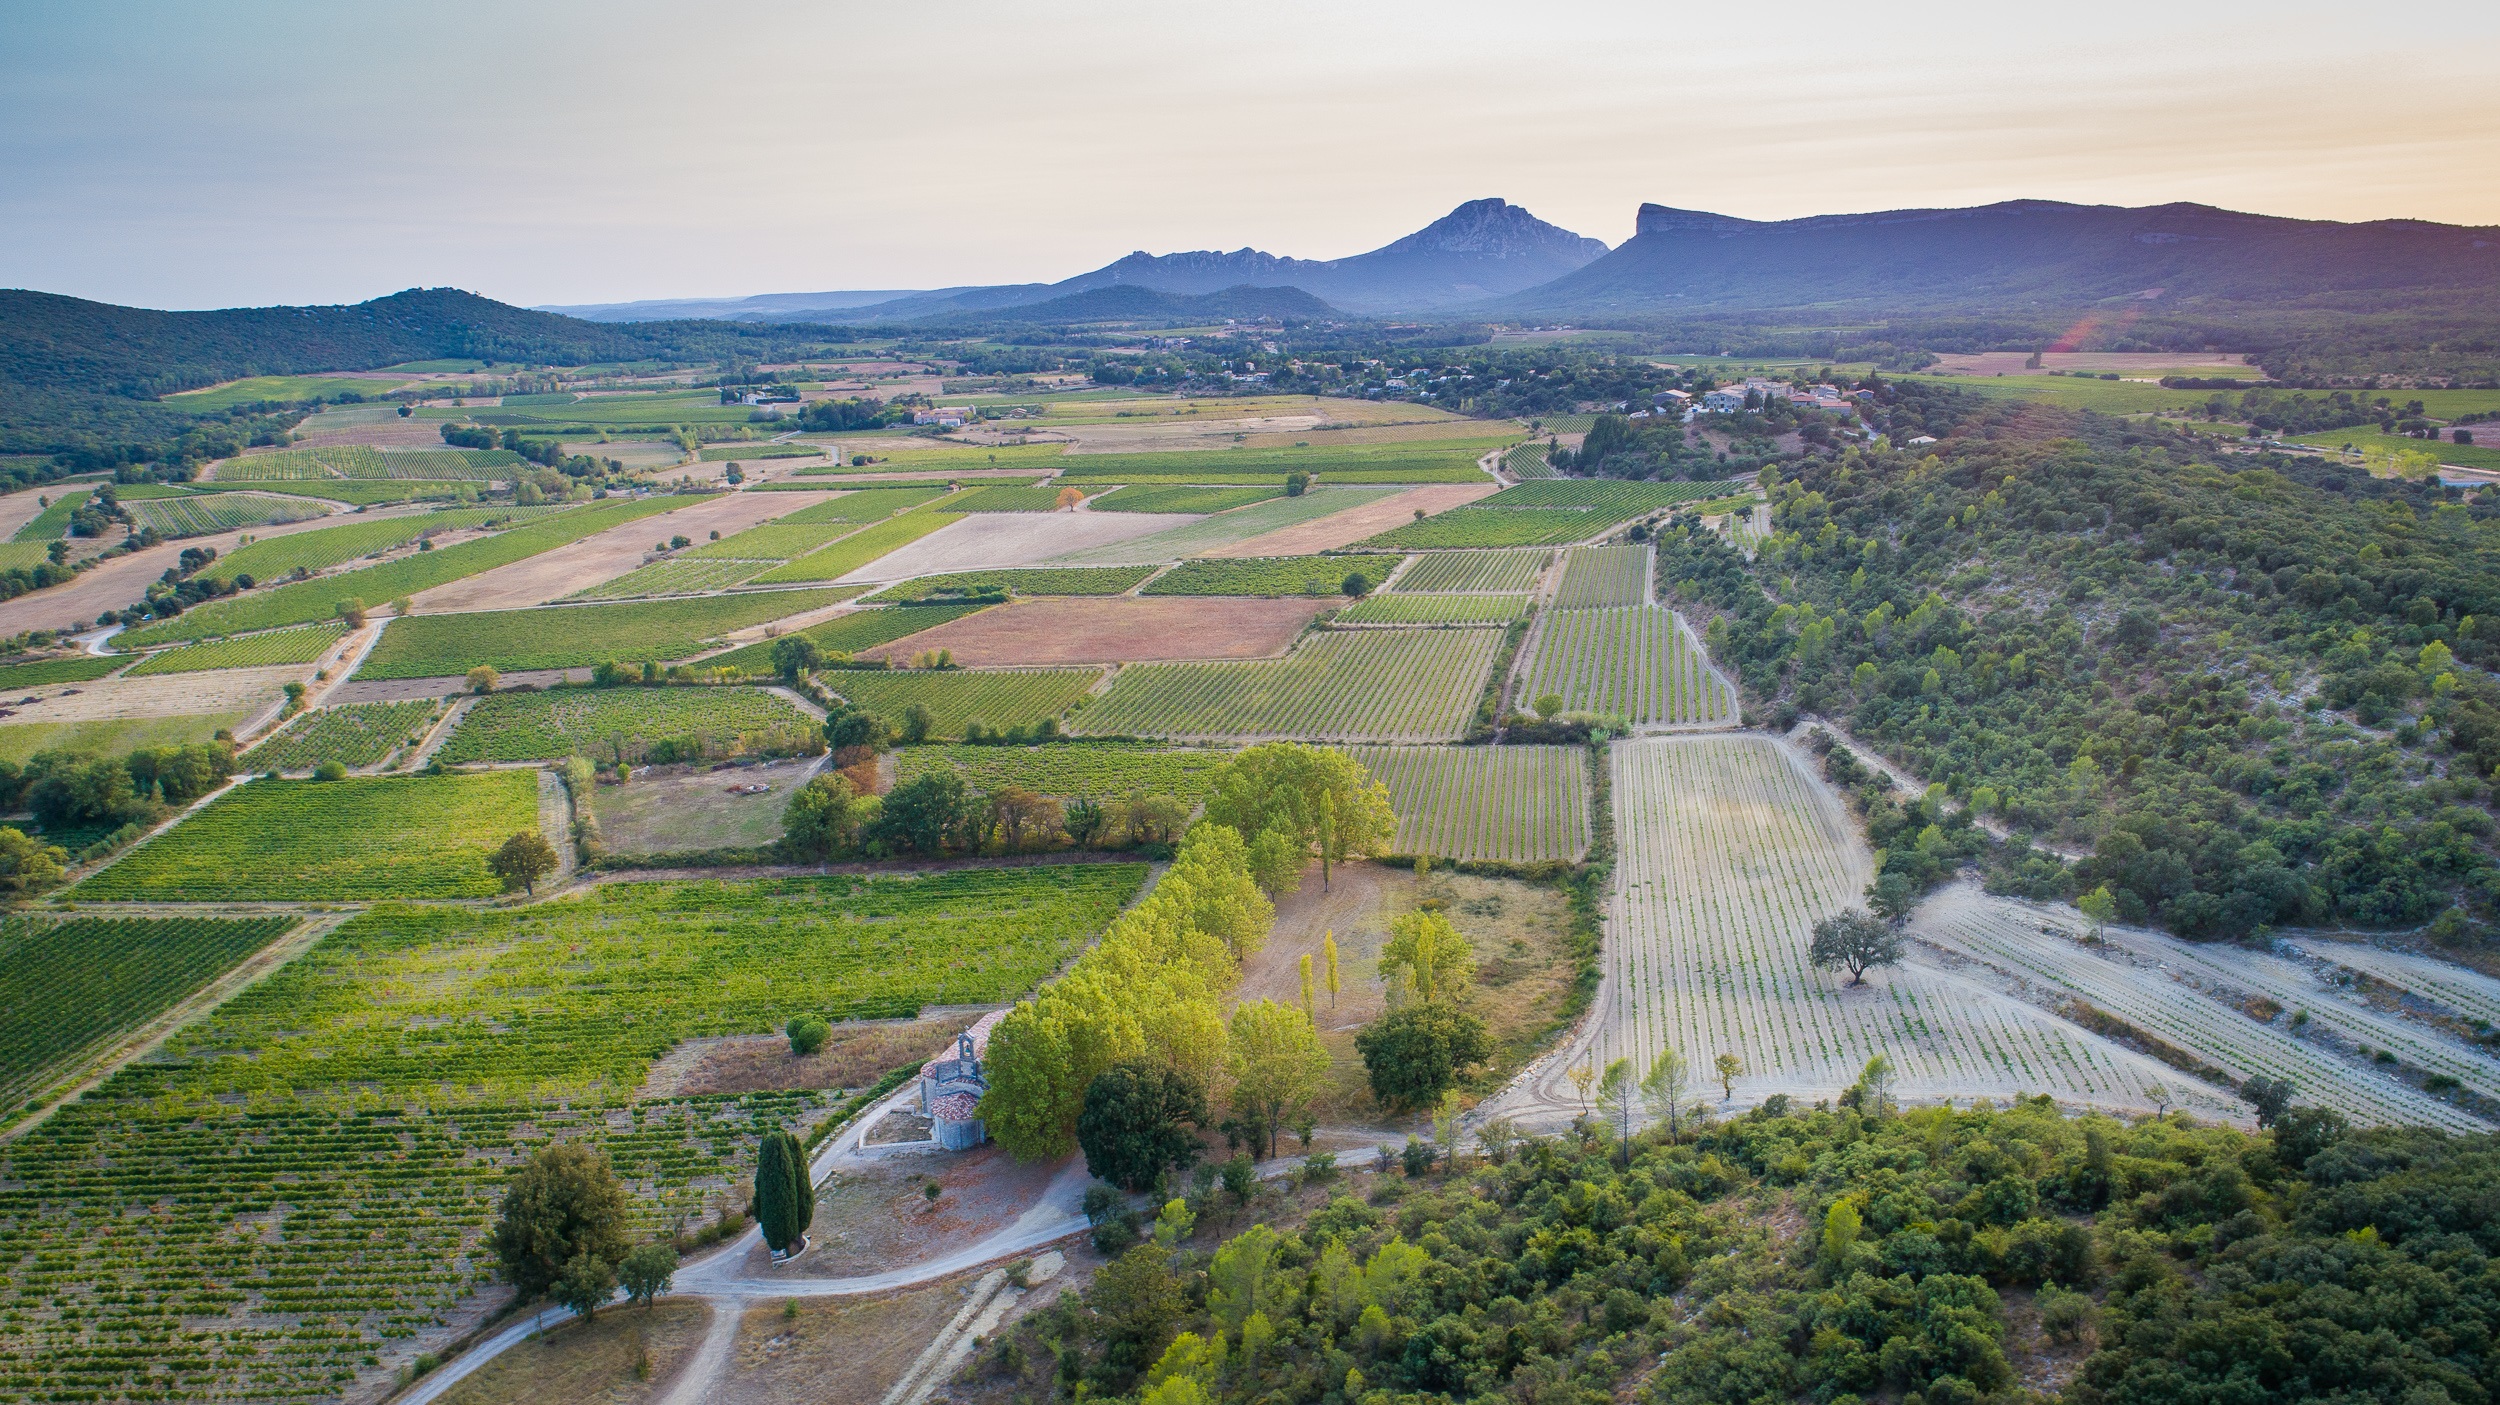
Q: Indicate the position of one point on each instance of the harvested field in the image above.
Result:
(988, 540)
(1355, 523)
(1073, 630)
(551, 575)
(224, 690)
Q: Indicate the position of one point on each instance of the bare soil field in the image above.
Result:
(835, 1351)
(633, 453)
(693, 809)
(1118, 629)
(580, 1363)
(858, 1054)
(165, 694)
(119, 583)
(1355, 523)
(605, 555)
(988, 540)
(2010, 363)
(870, 1217)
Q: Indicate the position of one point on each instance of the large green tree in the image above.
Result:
(785, 1195)
(1140, 1120)
(1414, 1055)
(562, 1204)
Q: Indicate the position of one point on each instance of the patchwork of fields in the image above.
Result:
(358, 1112)
(575, 636)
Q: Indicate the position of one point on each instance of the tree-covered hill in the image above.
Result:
(2255, 687)
(1933, 1257)
(83, 377)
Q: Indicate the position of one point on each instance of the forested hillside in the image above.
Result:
(2253, 688)
(82, 377)
(1930, 1257)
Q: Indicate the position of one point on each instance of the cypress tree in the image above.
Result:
(784, 1204)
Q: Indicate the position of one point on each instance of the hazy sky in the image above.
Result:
(202, 155)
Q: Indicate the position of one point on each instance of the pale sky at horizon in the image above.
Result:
(256, 153)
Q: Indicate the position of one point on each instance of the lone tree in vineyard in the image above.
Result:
(564, 1213)
(524, 859)
(1854, 941)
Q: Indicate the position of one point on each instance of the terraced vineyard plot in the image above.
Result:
(220, 512)
(245, 651)
(1038, 580)
(1149, 497)
(74, 984)
(2161, 1003)
(1634, 662)
(1597, 576)
(23, 556)
(606, 723)
(334, 546)
(1464, 572)
(357, 1113)
(1437, 609)
(323, 841)
(1728, 854)
(773, 541)
(307, 601)
(1357, 685)
(78, 668)
(473, 465)
(289, 465)
(1273, 575)
(1001, 698)
(358, 491)
(2468, 993)
(353, 734)
(1513, 804)
(864, 505)
(860, 548)
(574, 636)
(679, 575)
(1069, 769)
(847, 634)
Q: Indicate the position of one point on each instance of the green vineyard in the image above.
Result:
(1151, 497)
(861, 547)
(1273, 575)
(357, 1114)
(1598, 576)
(1509, 804)
(1040, 580)
(1437, 609)
(1634, 661)
(1357, 685)
(353, 734)
(325, 547)
(1068, 769)
(998, 698)
(608, 723)
(846, 634)
(326, 841)
(575, 636)
(684, 575)
(220, 512)
(1463, 572)
(75, 983)
(279, 646)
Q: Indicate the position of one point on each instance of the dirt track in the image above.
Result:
(1355, 523)
(604, 555)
